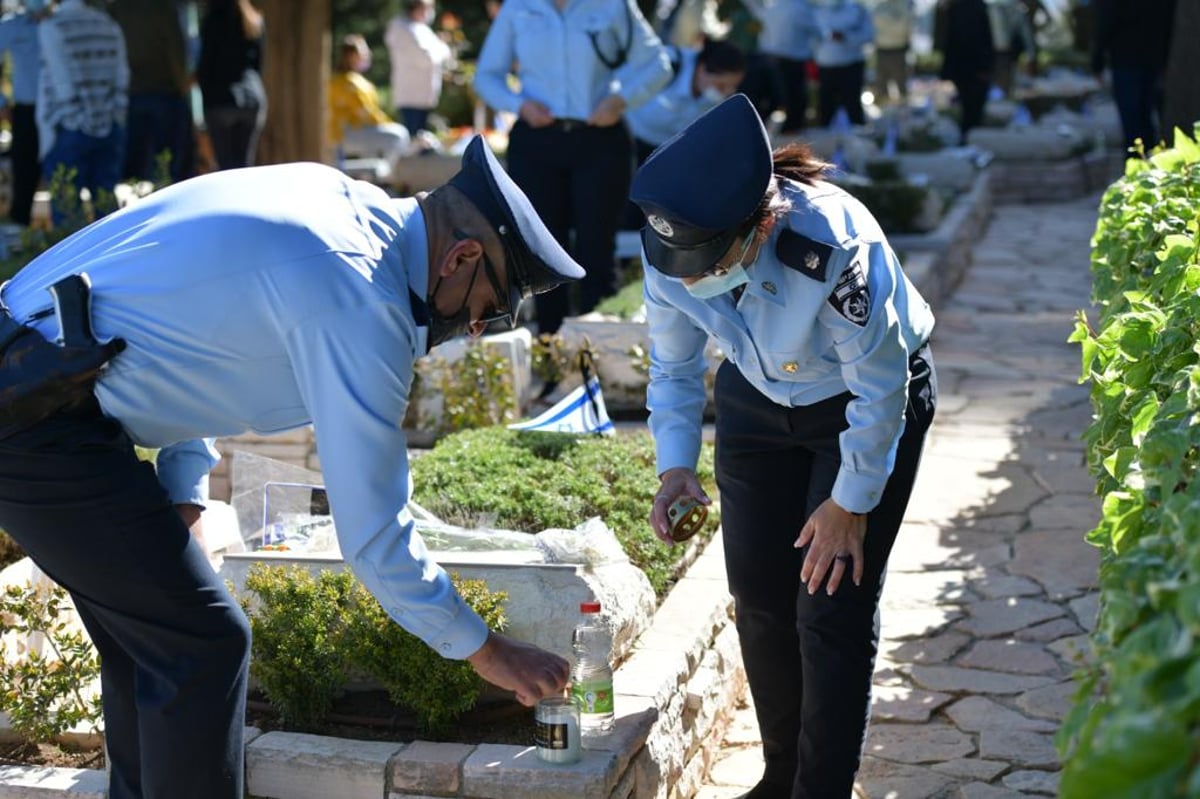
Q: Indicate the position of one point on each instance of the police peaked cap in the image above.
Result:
(534, 261)
(700, 187)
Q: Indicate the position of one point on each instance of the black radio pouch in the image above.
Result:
(39, 378)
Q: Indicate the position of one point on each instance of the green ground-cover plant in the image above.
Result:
(1135, 729)
(532, 481)
(43, 692)
(625, 303)
(313, 633)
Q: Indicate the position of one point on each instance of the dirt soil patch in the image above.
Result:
(27, 754)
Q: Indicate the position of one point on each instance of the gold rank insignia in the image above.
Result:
(790, 367)
(769, 287)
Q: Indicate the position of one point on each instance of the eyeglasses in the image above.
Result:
(502, 311)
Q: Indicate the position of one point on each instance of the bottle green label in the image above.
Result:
(593, 696)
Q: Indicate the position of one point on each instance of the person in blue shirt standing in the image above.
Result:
(317, 314)
(19, 37)
(822, 406)
(786, 41)
(845, 28)
(580, 65)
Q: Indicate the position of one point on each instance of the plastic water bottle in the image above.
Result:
(592, 677)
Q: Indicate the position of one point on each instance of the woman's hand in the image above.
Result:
(834, 537)
(535, 114)
(674, 483)
(608, 111)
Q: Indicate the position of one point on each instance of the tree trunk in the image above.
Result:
(1182, 88)
(296, 75)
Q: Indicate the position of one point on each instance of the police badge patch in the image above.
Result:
(850, 296)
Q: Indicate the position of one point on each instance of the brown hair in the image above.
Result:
(792, 161)
(352, 44)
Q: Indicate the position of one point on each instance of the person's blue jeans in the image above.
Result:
(415, 119)
(96, 160)
(1138, 93)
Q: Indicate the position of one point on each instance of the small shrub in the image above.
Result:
(625, 303)
(534, 481)
(298, 625)
(10, 550)
(416, 677)
(42, 693)
(478, 391)
(312, 633)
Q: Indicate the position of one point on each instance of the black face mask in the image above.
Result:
(443, 328)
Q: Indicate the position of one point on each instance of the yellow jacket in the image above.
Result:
(353, 103)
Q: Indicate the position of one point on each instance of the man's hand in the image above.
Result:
(834, 537)
(530, 672)
(535, 114)
(194, 523)
(608, 111)
(675, 483)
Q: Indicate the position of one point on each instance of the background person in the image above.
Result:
(317, 315)
(893, 20)
(845, 28)
(963, 34)
(229, 73)
(1133, 40)
(19, 38)
(822, 405)
(787, 32)
(83, 98)
(358, 126)
(580, 64)
(419, 57)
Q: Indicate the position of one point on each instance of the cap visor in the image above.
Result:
(685, 262)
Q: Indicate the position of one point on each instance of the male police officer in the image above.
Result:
(257, 299)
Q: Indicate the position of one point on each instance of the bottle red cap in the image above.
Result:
(589, 607)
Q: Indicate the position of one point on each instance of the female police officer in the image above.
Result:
(580, 64)
(821, 411)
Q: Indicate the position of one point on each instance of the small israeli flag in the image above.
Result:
(581, 411)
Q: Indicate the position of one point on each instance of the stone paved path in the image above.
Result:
(991, 587)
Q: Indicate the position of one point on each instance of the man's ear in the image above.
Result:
(462, 253)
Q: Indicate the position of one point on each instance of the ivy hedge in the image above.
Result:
(1135, 728)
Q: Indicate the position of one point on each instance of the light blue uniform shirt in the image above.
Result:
(854, 22)
(788, 27)
(672, 109)
(552, 55)
(793, 344)
(265, 299)
(19, 36)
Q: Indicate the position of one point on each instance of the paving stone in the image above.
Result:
(720, 792)
(1074, 649)
(980, 790)
(1018, 746)
(1011, 656)
(923, 743)
(896, 703)
(937, 649)
(917, 622)
(887, 674)
(516, 772)
(977, 713)
(1048, 631)
(1037, 782)
(1001, 616)
(1063, 472)
(741, 767)
(430, 767)
(971, 768)
(996, 583)
(976, 681)
(44, 782)
(1086, 610)
(743, 729)
(1049, 702)
(1058, 559)
(920, 589)
(884, 779)
(302, 766)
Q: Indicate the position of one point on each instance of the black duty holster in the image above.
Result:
(39, 378)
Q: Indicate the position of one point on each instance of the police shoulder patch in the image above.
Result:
(851, 297)
(807, 256)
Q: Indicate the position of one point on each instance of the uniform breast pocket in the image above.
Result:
(537, 37)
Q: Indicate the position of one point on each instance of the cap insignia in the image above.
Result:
(661, 226)
(811, 260)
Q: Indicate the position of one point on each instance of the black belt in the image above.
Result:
(568, 125)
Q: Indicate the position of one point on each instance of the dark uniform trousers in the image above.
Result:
(174, 645)
(577, 177)
(809, 659)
